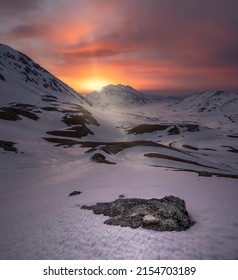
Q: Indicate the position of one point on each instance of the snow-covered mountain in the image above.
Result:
(20, 71)
(117, 95)
(221, 102)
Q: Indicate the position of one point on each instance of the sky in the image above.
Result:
(157, 46)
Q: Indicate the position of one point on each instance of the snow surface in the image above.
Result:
(40, 221)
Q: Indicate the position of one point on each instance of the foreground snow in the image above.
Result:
(40, 221)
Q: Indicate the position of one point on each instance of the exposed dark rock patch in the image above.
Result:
(49, 97)
(190, 147)
(190, 127)
(62, 141)
(205, 174)
(74, 132)
(147, 128)
(21, 112)
(116, 147)
(174, 130)
(232, 136)
(100, 158)
(50, 109)
(107, 147)
(165, 214)
(25, 106)
(75, 193)
(168, 157)
(9, 116)
(8, 146)
(2, 77)
(83, 119)
(16, 110)
(231, 149)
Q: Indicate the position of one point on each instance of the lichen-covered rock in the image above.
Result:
(165, 214)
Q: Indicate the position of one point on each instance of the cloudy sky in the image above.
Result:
(152, 45)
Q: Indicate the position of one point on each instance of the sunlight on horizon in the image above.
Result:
(94, 84)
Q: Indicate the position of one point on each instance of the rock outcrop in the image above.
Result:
(100, 158)
(165, 214)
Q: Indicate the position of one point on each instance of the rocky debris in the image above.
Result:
(100, 158)
(75, 193)
(165, 214)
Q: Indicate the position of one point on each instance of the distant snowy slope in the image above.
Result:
(219, 101)
(117, 95)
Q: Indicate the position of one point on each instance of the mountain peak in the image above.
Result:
(117, 95)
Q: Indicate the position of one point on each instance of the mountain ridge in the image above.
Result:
(210, 102)
(18, 69)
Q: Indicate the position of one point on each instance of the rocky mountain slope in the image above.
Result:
(213, 102)
(20, 71)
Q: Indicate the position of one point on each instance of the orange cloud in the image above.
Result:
(146, 44)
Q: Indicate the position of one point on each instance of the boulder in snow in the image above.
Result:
(100, 158)
(165, 214)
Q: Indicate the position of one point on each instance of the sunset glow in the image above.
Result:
(150, 45)
(94, 84)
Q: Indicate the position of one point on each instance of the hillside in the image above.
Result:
(218, 102)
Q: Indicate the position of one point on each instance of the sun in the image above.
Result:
(94, 84)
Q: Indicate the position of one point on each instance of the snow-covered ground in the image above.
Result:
(40, 221)
(38, 218)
